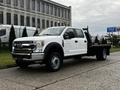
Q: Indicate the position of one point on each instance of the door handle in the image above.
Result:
(76, 41)
(85, 41)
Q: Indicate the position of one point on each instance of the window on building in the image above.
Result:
(62, 12)
(1, 1)
(28, 4)
(65, 13)
(55, 11)
(33, 22)
(43, 7)
(51, 9)
(21, 20)
(15, 19)
(27, 21)
(43, 24)
(69, 14)
(47, 23)
(15, 2)
(1, 17)
(62, 24)
(38, 23)
(33, 4)
(22, 3)
(8, 1)
(38, 5)
(55, 23)
(59, 12)
(59, 24)
(51, 23)
(8, 18)
(47, 8)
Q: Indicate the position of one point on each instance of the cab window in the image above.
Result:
(79, 33)
(70, 33)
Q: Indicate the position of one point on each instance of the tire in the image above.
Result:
(102, 55)
(54, 62)
(22, 64)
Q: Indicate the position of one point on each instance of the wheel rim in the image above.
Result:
(104, 54)
(55, 62)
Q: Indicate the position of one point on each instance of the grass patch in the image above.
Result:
(115, 49)
(6, 59)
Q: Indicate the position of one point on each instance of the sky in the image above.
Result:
(97, 14)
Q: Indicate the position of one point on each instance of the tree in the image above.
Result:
(36, 33)
(24, 34)
(104, 41)
(11, 37)
(114, 39)
(96, 40)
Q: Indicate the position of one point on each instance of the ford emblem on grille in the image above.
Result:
(19, 45)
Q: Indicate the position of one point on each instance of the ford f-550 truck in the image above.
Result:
(54, 44)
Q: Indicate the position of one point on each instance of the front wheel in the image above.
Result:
(101, 55)
(54, 62)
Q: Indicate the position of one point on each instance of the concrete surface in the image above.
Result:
(85, 74)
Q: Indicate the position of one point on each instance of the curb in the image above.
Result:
(8, 66)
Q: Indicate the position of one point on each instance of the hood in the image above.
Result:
(37, 38)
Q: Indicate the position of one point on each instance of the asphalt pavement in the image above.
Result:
(85, 74)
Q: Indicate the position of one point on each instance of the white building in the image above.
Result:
(35, 13)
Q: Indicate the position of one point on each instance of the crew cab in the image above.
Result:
(53, 45)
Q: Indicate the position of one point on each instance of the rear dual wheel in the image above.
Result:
(101, 55)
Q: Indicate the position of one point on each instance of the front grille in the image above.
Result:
(17, 50)
(23, 42)
(20, 48)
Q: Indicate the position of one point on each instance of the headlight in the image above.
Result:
(39, 45)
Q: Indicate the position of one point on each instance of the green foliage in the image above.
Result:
(5, 58)
(104, 41)
(11, 37)
(96, 40)
(24, 34)
(115, 49)
(115, 40)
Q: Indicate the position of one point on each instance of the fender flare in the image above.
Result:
(52, 47)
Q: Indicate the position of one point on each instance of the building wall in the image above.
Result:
(35, 13)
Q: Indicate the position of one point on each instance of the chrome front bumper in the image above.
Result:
(29, 57)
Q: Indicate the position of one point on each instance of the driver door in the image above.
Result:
(69, 42)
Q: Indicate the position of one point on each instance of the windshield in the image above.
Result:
(53, 31)
(2, 32)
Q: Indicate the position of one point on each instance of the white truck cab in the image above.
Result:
(50, 47)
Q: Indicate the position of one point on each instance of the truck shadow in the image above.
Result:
(68, 64)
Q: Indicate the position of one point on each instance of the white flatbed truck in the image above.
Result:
(53, 45)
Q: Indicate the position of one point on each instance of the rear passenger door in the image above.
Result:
(81, 42)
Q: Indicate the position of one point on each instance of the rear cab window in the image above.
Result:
(79, 33)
